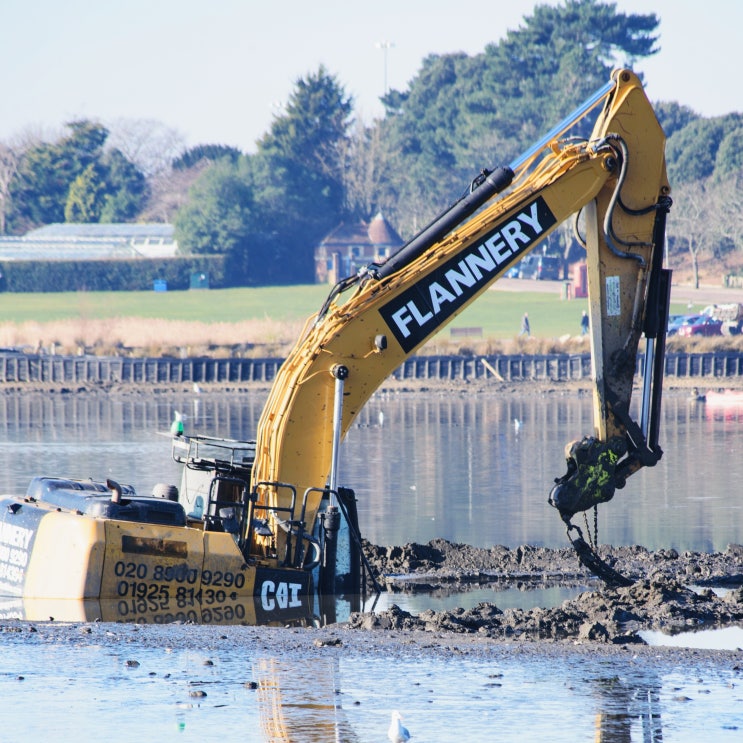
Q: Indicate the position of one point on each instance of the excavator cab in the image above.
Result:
(217, 495)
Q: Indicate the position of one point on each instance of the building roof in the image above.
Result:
(381, 232)
(347, 234)
(102, 231)
(378, 232)
(71, 241)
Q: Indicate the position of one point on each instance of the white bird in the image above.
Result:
(196, 388)
(516, 424)
(397, 732)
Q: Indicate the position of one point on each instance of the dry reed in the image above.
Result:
(152, 337)
(269, 338)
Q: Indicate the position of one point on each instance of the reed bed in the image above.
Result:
(132, 336)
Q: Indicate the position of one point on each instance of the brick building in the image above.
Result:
(350, 246)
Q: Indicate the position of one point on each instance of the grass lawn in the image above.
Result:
(212, 305)
(498, 313)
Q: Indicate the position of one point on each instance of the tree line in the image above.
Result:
(320, 164)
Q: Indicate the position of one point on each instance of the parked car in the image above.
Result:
(701, 325)
(676, 321)
(543, 267)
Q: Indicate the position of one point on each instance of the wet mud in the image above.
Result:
(668, 591)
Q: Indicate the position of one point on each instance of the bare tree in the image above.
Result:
(9, 160)
(729, 207)
(693, 223)
(363, 173)
(147, 143)
(169, 192)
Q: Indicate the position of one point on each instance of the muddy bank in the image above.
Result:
(440, 562)
(672, 386)
(669, 591)
(343, 640)
(599, 624)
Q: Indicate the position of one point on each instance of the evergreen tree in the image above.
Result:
(268, 211)
(201, 152)
(127, 189)
(729, 157)
(75, 179)
(85, 195)
(673, 117)
(298, 172)
(494, 105)
(692, 152)
(219, 217)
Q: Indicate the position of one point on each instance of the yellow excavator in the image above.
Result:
(261, 521)
(617, 179)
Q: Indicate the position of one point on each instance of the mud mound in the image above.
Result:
(447, 562)
(660, 598)
(461, 560)
(608, 615)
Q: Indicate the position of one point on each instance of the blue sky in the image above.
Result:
(217, 70)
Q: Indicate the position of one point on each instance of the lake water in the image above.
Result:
(423, 466)
(117, 687)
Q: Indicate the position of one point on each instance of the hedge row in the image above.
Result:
(136, 274)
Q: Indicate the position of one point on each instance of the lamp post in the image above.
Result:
(385, 46)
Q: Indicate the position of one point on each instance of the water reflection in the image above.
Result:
(236, 688)
(301, 702)
(429, 466)
(315, 611)
(318, 702)
(225, 611)
(423, 465)
(505, 594)
(458, 467)
(726, 638)
(624, 705)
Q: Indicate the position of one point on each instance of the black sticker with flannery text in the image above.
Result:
(422, 309)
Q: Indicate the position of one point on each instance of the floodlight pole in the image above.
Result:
(385, 46)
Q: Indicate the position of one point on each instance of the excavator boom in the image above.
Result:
(373, 321)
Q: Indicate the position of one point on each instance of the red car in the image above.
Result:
(702, 325)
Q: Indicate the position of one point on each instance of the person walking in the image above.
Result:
(584, 323)
(525, 327)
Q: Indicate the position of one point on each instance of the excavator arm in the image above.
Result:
(629, 292)
(371, 322)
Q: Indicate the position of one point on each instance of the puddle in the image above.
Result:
(503, 598)
(313, 611)
(727, 638)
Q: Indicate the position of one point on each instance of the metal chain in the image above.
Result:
(593, 536)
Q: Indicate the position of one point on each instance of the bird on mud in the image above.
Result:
(397, 732)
